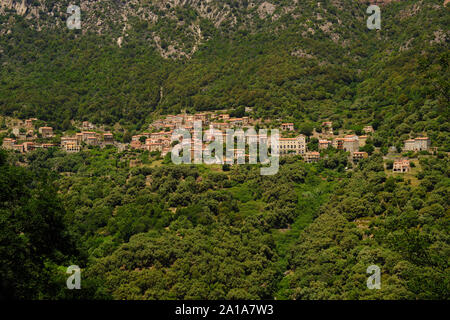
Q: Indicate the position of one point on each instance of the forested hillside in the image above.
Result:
(306, 60)
(155, 230)
(386, 220)
(32, 233)
(201, 232)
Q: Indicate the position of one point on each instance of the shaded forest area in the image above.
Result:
(198, 232)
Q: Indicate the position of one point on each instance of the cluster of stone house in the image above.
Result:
(325, 144)
(24, 132)
(359, 155)
(287, 126)
(418, 144)
(401, 166)
(217, 121)
(287, 146)
(69, 144)
(90, 138)
(11, 144)
(294, 146)
(46, 132)
(312, 156)
(327, 127)
(157, 141)
(29, 122)
(86, 125)
(21, 134)
(161, 141)
(349, 143)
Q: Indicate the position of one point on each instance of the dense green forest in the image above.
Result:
(32, 234)
(199, 232)
(383, 220)
(161, 231)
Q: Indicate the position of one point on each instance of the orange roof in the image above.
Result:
(402, 162)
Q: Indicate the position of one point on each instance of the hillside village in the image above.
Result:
(27, 135)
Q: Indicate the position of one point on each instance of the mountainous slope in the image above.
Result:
(307, 60)
(162, 231)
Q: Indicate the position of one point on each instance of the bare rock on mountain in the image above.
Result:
(266, 9)
(120, 41)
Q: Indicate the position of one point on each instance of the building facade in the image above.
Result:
(294, 146)
(46, 132)
(324, 144)
(401, 166)
(287, 126)
(312, 156)
(417, 144)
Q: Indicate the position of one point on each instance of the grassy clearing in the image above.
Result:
(412, 175)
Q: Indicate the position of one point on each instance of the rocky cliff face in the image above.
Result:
(176, 28)
(22, 8)
(116, 18)
(218, 12)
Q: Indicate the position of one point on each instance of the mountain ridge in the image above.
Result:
(116, 17)
(318, 61)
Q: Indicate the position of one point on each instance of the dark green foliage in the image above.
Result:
(192, 263)
(32, 234)
(374, 220)
(161, 231)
